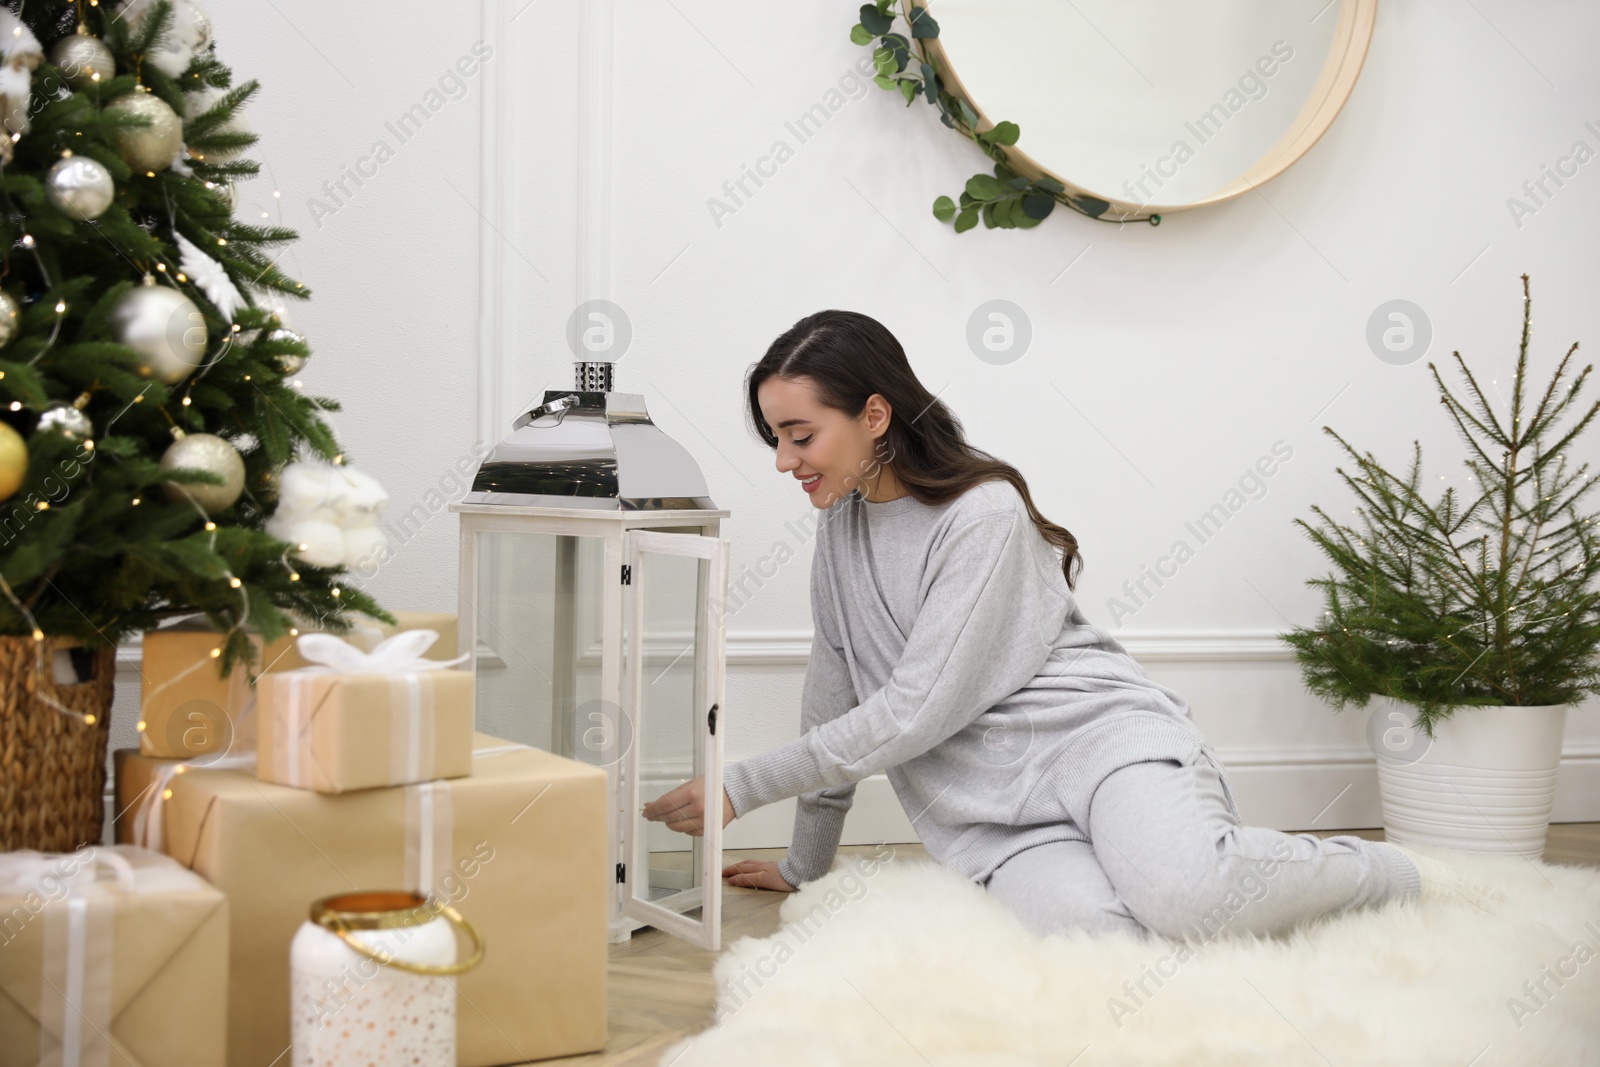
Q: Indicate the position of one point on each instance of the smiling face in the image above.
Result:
(829, 452)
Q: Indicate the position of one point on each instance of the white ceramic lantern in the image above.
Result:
(372, 981)
(592, 592)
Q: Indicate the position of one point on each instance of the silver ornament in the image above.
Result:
(227, 191)
(204, 452)
(153, 147)
(288, 362)
(10, 314)
(83, 60)
(79, 187)
(66, 420)
(164, 327)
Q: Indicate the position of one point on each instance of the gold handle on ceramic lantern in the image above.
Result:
(389, 911)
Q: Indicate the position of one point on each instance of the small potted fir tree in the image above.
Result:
(1476, 611)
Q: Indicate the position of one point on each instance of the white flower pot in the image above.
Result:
(1484, 784)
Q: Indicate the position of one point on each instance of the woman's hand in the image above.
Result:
(684, 809)
(757, 874)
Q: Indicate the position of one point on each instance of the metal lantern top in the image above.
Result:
(589, 447)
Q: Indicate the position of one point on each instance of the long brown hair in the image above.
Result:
(849, 356)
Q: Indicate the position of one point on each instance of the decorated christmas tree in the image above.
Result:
(147, 370)
(1485, 598)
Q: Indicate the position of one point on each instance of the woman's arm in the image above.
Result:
(819, 815)
(986, 625)
(828, 692)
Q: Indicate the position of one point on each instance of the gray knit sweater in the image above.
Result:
(950, 655)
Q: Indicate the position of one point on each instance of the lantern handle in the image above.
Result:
(557, 407)
(333, 924)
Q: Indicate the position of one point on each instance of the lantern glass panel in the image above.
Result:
(673, 702)
(540, 641)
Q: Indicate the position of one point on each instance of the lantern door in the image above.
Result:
(674, 589)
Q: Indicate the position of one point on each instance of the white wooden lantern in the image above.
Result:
(592, 589)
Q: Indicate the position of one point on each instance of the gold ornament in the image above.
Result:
(82, 59)
(204, 452)
(13, 460)
(152, 147)
(164, 327)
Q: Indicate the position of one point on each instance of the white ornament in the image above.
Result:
(210, 276)
(333, 511)
(363, 548)
(188, 33)
(19, 48)
(164, 327)
(79, 187)
(323, 542)
(20, 55)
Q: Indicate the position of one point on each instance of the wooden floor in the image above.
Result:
(660, 990)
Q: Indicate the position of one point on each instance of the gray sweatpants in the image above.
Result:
(1167, 854)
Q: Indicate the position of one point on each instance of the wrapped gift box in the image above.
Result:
(111, 955)
(519, 847)
(365, 633)
(187, 708)
(338, 732)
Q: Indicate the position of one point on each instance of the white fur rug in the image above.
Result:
(899, 961)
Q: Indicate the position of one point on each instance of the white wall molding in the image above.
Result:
(778, 648)
(792, 648)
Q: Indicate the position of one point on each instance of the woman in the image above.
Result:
(1030, 751)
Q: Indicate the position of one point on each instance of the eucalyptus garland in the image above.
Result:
(1005, 199)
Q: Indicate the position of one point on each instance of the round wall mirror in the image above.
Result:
(1151, 105)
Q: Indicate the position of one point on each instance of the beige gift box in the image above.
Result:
(518, 847)
(338, 732)
(189, 709)
(132, 973)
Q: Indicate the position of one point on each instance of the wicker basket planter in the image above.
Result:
(52, 764)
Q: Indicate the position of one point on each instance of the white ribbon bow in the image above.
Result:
(400, 654)
(26, 871)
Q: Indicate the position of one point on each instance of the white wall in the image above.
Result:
(1165, 360)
